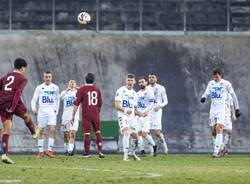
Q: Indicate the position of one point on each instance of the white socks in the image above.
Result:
(218, 142)
(125, 142)
(71, 147)
(140, 143)
(150, 140)
(66, 147)
(51, 144)
(40, 145)
(227, 139)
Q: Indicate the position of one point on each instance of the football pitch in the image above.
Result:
(173, 168)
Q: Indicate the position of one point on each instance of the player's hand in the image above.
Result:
(9, 110)
(128, 112)
(157, 108)
(203, 99)
(237, 113)
(144, 114)
(35, 112)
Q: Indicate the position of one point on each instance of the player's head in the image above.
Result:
(47, 77)
(130, 81)
(72, 84)
(142, 81)
(217, 74)
(152, 78)
(90, 78)
(20, 65)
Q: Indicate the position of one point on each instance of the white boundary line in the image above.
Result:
(10, 181)
(141, 174)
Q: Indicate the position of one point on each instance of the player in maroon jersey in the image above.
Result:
(91, 99)
(11, 88)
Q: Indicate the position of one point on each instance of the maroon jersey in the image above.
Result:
(91, 99)
(11, 87)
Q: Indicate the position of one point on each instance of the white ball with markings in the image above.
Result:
(83, 18)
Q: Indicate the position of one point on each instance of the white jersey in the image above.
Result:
(160, 95)
(219, 91)
(145, 100)
(68, 98)
(127, 98)
(48, 98)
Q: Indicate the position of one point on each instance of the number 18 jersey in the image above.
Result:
(91, 99)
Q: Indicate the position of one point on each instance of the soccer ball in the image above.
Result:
(83, 18)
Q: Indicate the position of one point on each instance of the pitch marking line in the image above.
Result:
(10, 181)
(142, 174)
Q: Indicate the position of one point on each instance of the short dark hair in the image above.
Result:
(217, 71)
(130, 76)
(142, 77)
(47, 72)
(152, 73)
(19, 63)
(90, 78)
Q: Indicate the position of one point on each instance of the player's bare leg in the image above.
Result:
(72, 138)
(52, 134)
(150, 141)
(40, 142)
(66, 136)
(160, 136)
(7, 124)
(218, 140)
(28, 122)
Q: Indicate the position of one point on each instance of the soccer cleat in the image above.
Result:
(215, 155)
(40, 155)
(155, 150)
(165, 148)
(224, 152)
(101, 155)
(135, 157)
(51, 154)
(7, 160)
(143, 153)
(66, 153)
(125, 158)
(70, 153)
(85, 155)
(37, 132)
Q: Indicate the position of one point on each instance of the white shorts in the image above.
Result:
(155, 120)
(126, 122)
(217, 117)
(46, 119)
(143, 124)
(67, 126)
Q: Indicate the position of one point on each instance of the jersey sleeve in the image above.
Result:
(164, 101)
(18, 94)
(233, 95)
(207, 91)
(35, 98)
(79, 97)
(57, 100)
(62, 95)
(118, 96)
(100, 99)
(1, 83)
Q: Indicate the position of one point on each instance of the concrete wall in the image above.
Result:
(183, 63)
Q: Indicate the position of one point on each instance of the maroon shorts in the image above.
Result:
(19, 111)
(87, 123)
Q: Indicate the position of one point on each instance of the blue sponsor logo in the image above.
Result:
(125, 103)
(70, 101)
(49, 92)
(46, 99)
(141, 105)
(216, 95)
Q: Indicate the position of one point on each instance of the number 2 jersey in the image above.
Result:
(11, 88)
(219, 91)
(91, 99)
(48, 97)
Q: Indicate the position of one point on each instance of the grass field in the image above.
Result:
(172, 168)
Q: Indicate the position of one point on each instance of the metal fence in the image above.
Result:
(126, 15)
